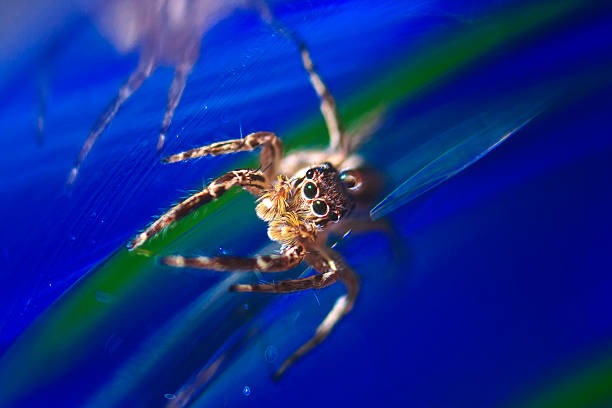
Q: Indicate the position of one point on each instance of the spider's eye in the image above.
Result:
(310, 190)
(310, 173)
(320, 208)
(334, 217)
(349, 180)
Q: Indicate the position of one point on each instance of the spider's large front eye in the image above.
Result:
(320, 208)
(310, 190)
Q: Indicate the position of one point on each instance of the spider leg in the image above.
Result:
(318, 281)
(181, 73)
(328, 103)
(264, 263)
(251, 180)
(271, 154)
(330, 262)
(328, 107)
(134, 82)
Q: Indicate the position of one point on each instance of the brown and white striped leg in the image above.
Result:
(134, 82)
(181, 72)
(318, 281)
(263, 263)
(271, 154)
(331, 262)
(328, 103)
(251, 180)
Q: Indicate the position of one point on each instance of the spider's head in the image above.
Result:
(322, 195)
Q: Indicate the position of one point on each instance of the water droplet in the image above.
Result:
(222, 251)
(271, 354)
(246, 390)
(169, 396)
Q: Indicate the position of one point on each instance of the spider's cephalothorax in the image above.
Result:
(298, 208)
(302, 196)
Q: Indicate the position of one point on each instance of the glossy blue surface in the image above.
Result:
(501, 285)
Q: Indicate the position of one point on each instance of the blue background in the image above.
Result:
(499, 290)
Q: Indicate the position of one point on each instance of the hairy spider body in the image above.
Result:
(303, 197)
(291, 214)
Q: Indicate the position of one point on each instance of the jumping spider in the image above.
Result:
(302, 197)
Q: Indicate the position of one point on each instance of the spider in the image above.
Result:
(302, 196)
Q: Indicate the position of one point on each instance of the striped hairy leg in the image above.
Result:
(253, 181)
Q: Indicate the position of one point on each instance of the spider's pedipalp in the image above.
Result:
(251, 180)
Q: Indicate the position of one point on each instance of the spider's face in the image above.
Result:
(322, 196)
